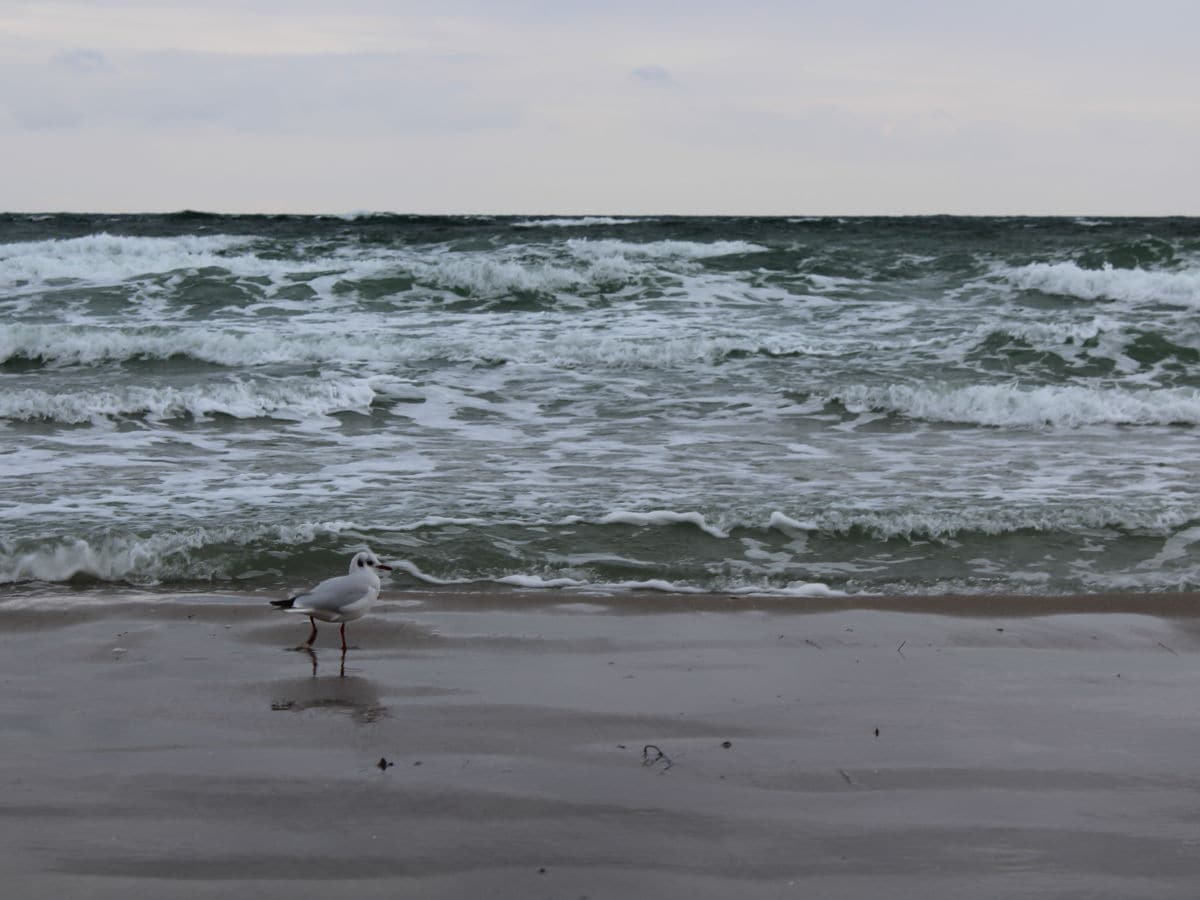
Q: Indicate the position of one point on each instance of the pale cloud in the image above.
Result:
(288, 95)
(533, 106)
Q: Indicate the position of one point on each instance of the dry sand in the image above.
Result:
(172, 747)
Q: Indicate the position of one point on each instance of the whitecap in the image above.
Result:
(297, 399)
(593, 249)
(1014, 406)
(105, 258)
(574, 222)
(1131, 285)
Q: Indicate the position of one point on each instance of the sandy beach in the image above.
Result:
(566, 746)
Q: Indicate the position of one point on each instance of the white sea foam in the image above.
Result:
(486, 275)
(1011, 405)
(296, 399)
(576, 222)
(788, 525)
(105, 258)
(1131, 285)
(537, 582)
(234, 347)
(88, 345)
(659, 518)
(1056, 334)
(660, 250)
(102, 259)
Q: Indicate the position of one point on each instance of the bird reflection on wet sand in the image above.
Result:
(337, 693)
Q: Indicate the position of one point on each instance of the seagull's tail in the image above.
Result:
(284, 604)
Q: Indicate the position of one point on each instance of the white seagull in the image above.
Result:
(341, 599)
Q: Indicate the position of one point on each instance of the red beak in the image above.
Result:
(382, 566)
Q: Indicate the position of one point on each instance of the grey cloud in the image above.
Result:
(656, 75)
(83, 61)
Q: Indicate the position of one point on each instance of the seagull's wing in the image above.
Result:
(332, 595)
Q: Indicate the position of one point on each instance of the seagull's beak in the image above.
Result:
(384, 567)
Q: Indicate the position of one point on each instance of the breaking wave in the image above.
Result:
(107, 259)
(574, 222)
(266, 555)
(1014, 406)
(291, 399)
(1131, 285)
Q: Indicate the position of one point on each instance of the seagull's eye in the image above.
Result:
(361, 563)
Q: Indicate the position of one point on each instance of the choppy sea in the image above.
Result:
(786, 405)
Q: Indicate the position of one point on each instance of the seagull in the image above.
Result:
(341, 599)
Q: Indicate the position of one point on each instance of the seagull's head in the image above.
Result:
(365, 560)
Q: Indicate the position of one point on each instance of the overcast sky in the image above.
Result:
(613, 106)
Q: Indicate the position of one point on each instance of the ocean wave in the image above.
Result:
(489, 276)
(575, 265)
(574, 222)
(186, 558)
(1014, 406)
(1054, 334)
(589, 265)
(987, 521)
(1130, 285)
(75, 345)
(935, 523)
(854, 524)
(661, 517)
(88, 345)
(291, 399)
(201, 554)
(589, 248)
(779, 552)
(106, 258)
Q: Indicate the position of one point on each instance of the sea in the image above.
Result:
(794, 406)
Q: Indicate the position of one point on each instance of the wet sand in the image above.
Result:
(497, 745)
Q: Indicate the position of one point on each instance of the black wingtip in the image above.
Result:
(284, 604)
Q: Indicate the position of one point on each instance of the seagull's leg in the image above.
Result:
(312, 637)
(343, 637)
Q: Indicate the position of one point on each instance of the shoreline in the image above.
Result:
(471, 743)
(1167, 604)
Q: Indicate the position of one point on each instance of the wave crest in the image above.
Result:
(1013, 406)
(1132, 285)
(107, 258)
(292, 399)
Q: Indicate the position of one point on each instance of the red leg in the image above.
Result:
(312, 637)
(343, 637)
